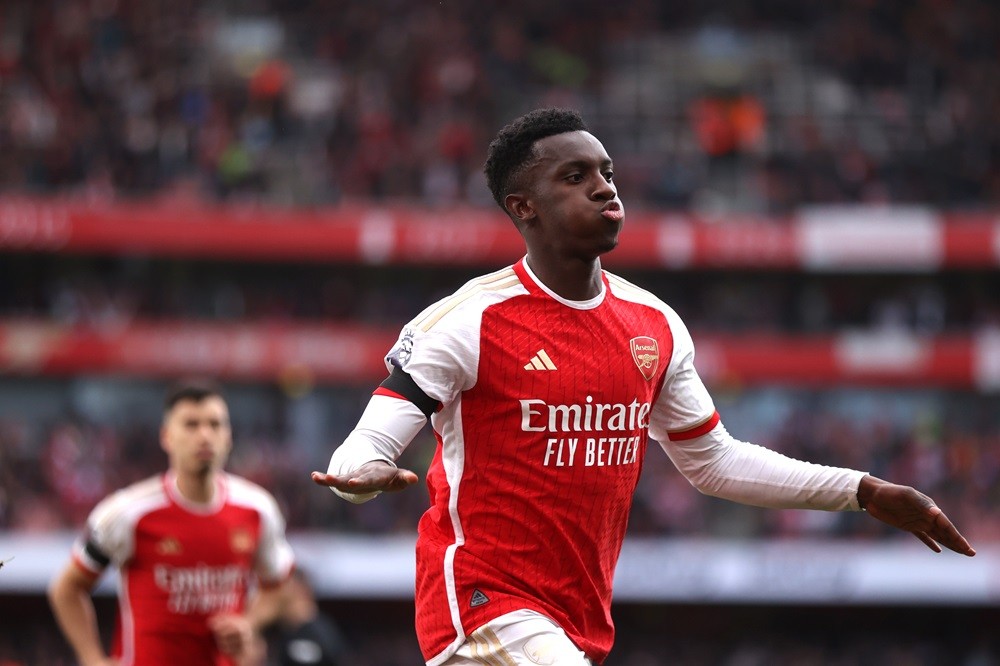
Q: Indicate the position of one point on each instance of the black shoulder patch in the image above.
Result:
(402, 383)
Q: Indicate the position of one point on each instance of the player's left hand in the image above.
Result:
(233, 633)
(370, 477)
(909, 509)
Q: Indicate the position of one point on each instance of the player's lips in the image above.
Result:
(613, 211)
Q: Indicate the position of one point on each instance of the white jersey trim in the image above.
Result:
(588, 304)
(274, 559)
(453, 462)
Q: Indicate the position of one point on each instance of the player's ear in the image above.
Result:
(163, 438)
(519, 207)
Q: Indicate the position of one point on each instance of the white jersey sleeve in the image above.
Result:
(441, 360)
(684, 403)
(109, 537)
(385, 429)
(274, 558)
(439, 348)
(687, 426)
(719, 465)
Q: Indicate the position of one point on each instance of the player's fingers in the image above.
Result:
(331, 481)
(406, 476)
(226, 634)
(403, 479)
(928, 541)
(322, 479)
(947, 534)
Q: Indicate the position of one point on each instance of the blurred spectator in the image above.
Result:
(307, 102)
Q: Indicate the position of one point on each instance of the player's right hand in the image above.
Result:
(233, 633)
(371, 477)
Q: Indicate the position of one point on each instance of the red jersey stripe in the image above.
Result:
(388, 393)
(696, 431)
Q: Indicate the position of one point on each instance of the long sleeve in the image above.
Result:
(717, 464)
(383, 432)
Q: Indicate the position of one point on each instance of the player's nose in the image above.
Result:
(604, 190)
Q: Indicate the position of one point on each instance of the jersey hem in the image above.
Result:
(456, 644)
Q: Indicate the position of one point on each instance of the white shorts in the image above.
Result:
(520, 638)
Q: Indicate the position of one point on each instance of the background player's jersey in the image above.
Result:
(546, 411)
(181, 563)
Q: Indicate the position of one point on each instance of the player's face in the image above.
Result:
(572, 201)
(197, 436)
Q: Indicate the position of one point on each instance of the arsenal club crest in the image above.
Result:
(168, 546)
(241, 541)
(646, 354)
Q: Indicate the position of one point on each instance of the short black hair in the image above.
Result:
(513, 148)
(194, 390)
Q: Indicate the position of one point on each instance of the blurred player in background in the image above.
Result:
(186, 544)
(300, 633)
(543, 382)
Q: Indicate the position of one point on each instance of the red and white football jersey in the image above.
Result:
(546, 409)
(180, 563)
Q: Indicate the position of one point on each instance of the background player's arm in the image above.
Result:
(268, 605)
(240, 636)
(235, 633)
(73, 607)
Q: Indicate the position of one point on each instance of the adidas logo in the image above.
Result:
(540, 361)
(478, 599)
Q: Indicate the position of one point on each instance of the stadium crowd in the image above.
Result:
(306, 103)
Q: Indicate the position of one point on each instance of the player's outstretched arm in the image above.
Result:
(371, 477)
(69, 596)
(909, 509)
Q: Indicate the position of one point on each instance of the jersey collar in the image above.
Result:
(218, 497)
(535, 286)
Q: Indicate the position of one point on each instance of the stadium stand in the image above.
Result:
(265, 191)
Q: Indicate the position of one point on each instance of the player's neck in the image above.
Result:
(197, 488)
(574, 280)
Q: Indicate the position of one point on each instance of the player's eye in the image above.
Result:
(609, 176)
(575, 178)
